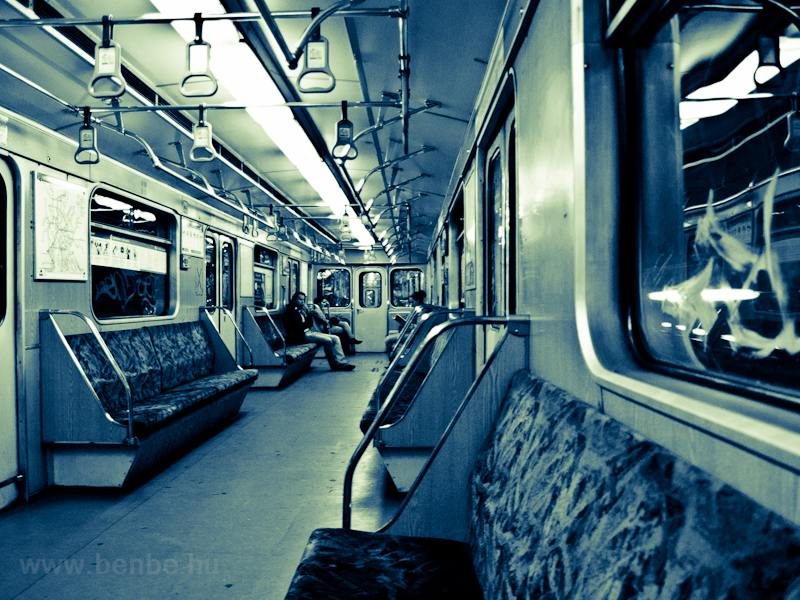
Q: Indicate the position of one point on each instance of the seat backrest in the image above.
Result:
(135, 355)
(569, 503)
(184, 351)
(265, 324)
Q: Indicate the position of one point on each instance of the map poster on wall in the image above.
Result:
(61, 229)
(193, 238)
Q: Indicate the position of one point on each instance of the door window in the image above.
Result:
(370, 285)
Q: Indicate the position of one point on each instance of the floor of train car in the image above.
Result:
(229, 519)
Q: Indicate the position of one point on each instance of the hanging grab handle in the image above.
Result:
(107, 80)
(198, 80)
(203, 147)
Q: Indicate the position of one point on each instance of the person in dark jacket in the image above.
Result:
(300, 330)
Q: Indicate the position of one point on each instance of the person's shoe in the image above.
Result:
(355, 341)
(343, 367)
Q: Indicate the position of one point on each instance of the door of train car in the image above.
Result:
(221, 284)
(403, 282)
(335, 284)
(372, 308)
(9, 458)
(500, 230)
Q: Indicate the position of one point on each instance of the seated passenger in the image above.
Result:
(320, 311)
(299, 325)
(417, 299)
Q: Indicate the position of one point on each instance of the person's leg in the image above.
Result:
(332, 346)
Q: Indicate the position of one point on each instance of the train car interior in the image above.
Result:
(400, 299)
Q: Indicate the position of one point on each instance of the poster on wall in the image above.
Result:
(193, 238)
(60, 229)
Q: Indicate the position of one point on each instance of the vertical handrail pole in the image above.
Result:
(405, 70)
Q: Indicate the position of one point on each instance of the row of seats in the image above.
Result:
(566, 502)
(179, 379)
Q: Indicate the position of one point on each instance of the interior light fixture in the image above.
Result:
(721, 96)
(107, 80)
(344, 149)
(316, 77)
(769, 69)
(87, 153)
(198, 80)
(202, 146)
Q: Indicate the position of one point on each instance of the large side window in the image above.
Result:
(405, 282)
(719, 229)
(131, 242)
(264, 277)
(334, 286)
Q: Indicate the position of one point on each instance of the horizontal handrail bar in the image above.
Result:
(106, 351)
(393, 395)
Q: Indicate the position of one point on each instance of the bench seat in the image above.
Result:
(277, 361)
(182, 385)
(566, 502)
(158, 410)
(342, 563)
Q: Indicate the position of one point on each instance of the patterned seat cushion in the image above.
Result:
(401, 404)
(356, 565)
(135, 355)
(165, 407)
(569, 503)
(295, 353)
(272, 335)
(185, 352)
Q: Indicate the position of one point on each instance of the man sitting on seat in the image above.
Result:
(299, 328)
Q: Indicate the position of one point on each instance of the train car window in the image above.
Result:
(264, 277)
(211, 271)
(719, 239)
(294, 277)
(370, 285)
(495, 236)
(226, 276)
(334, 285)
(130, 245)
(405, 282)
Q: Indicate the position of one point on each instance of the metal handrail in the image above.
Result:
(227, 313)
(400, 354)
(274, 326)
(109, 356)
(393, 395)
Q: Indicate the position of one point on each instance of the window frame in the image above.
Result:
(167, 219)
(652, 188)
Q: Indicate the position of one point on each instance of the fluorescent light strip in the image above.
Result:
(239, 71)
(739, 83)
